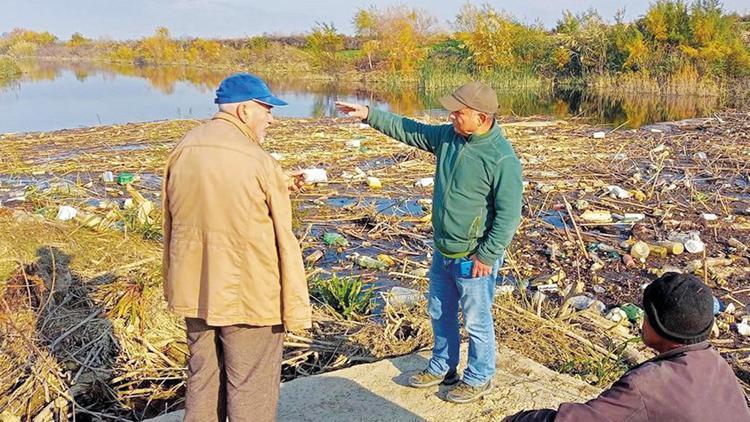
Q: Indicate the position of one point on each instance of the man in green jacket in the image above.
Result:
(476, 210)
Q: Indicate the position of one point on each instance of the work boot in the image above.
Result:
(465, 393)
(426, 378)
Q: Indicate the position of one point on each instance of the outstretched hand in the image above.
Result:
(353, 110)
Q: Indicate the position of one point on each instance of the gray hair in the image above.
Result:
(230, 107)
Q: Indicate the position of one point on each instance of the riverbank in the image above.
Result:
(104, 341)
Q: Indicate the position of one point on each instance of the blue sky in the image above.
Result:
(128, 19)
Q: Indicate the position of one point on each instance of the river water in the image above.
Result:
(62, 95)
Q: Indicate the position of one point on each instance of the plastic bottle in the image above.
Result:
(640, 251)
(674, 248)
(695, 246)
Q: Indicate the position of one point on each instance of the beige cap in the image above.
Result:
(475, 95)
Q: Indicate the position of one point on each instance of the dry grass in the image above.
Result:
(127, 356)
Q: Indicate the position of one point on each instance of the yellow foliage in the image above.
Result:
(123, 53)
(399, 36)
(656, 24)
(637, 51)
(76, 40)
(204, 51)
(561, 57)
(159, 47)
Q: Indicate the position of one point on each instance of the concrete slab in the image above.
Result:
(378, 392)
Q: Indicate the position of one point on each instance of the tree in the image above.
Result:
(77, 40)
(159, 48)
(397, 37)
(496, 41)
(324, 44)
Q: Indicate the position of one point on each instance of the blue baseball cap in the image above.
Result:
(245, 87)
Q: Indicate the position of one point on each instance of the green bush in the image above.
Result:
(344, 295)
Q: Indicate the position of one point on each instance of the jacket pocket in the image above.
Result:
(475, 229)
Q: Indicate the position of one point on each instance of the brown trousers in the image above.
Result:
(233, 372)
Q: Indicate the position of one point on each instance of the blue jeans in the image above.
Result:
(447, 290)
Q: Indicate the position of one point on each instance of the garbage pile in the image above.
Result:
(604, 212)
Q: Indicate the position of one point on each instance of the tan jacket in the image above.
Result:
(230, 256)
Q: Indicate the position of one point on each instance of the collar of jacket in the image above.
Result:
(494, 130)
(238, 123)
(681, 350)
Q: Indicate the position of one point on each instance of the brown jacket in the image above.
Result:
(690, 383)
(230, 256)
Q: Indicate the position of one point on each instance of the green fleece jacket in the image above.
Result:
(476, 201)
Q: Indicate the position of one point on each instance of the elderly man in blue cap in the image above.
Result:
(232, 265)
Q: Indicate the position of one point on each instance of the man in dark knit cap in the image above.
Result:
(687, 381)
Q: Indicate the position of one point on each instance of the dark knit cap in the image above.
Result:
(679, 307)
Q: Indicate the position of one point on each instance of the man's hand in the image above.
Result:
(294, 180)
(353, 110)
(478, 269)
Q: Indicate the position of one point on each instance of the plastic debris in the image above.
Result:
(333, 239)
(547, 288)
(404, 298)
(598, 135)
(683, 237)
(365, 261)
(582, 205)
(633, 312)
(277, 156)
(425, 182)
(709, 217)
(674, 248)
(700, 156)
(743, 328)
(354, 143)
(125, 178)
(387, 260)
(66, 213)
(730, 309)
(583, 302)
(420, 272)
(657, 250)
(640, 251)
(108, 177)
(695, 246)
(358, 174)
(618, 192)
(597, 216)
(315, 175)
(314, 257)
(629, 218)
(616, 315)
(374, 182)
(718, 306)
(505, 289)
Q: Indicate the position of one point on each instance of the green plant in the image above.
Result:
(344, 295)
(324, 45)
(602, 370)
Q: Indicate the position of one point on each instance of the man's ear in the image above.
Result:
(484, 118)
(241, 112)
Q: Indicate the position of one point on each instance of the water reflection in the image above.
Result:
(150, 93)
